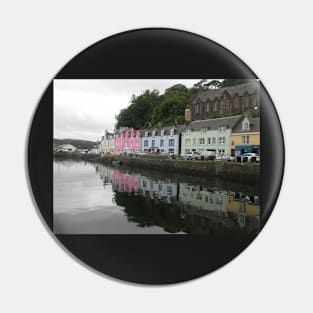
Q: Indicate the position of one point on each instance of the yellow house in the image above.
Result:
(246, 137)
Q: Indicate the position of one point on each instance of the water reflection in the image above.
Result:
(150, 203)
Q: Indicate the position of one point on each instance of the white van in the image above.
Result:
(208, 154)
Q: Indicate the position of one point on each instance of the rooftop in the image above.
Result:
(252, 87)
(214, 124)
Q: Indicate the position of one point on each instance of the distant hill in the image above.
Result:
(78, 143)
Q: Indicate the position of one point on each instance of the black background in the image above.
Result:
(153, 53)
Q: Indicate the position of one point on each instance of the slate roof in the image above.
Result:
(213, 124)
(252, 87)
(178, 130)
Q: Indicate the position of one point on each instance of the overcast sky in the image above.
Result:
(84, 108)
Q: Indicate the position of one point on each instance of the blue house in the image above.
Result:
(162, 140)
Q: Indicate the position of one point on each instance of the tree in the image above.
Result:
(233, 82)
(139, 111)
(154, 109)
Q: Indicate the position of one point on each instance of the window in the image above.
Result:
(216, 106)
(153, 143)
(187, 150)
(221, 140)
(245, 125)
(171, 150)
(171, 142)
(221, 151)
(145, 143)
(169, 190)
(187, 142)
(161, 142)
(245, 140)
(213, 141)
(209, 141)
(198, 107)
(201, 141)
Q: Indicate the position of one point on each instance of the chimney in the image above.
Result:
(188, 115)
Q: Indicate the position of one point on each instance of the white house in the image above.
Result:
(66, 148)
(106, 145)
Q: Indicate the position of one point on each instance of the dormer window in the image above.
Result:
(246, 125)
(222, 128)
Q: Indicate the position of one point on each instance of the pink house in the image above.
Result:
(126, 182)
(127, 140)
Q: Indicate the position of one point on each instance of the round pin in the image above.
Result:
(155, 156)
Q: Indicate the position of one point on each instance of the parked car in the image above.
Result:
(193, 155)
(250, 157)
(141, 153)
(228, 158)
(208, 155)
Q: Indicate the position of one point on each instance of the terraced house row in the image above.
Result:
(231, 135)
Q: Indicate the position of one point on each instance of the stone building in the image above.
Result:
(225, 101)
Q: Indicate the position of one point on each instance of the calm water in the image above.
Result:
(92, 198)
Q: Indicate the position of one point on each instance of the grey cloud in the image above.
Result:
(83, 109)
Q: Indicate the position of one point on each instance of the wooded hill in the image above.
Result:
(78, 143)
(154, 109)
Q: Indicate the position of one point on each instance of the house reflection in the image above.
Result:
(106, 174)
(203, 198)
(157, 189)
(244, 208)
(124, 182)
(181, 207)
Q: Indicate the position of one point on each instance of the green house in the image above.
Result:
(211, 134)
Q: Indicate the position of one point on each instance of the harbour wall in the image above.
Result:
(233, 171)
